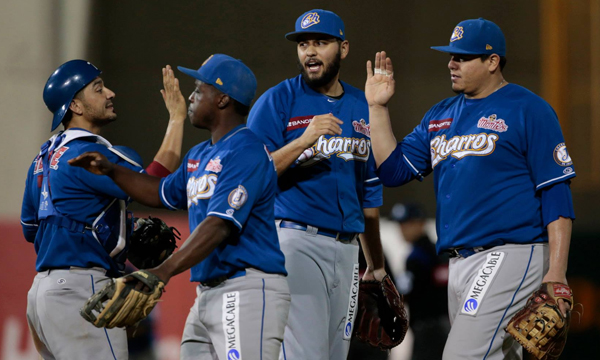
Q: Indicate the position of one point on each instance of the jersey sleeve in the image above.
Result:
(547, 155)
(29, 207)
(372, 188)
(416, 152)
(267, 119)
(241, 184)
(173, 188)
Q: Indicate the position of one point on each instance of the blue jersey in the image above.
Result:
(235, 180)
(490, 157)
(79, 197)
(332, 181)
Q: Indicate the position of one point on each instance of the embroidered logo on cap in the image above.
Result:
(309, 20)
(457, 34)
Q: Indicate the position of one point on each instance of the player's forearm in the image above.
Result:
(383, 140)
(371, 241)
(140, 187)
(287, 155)
(169, 154)
(559, 240)
(202, 241)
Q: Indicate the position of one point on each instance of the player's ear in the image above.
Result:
(223, 101)
(494, 63)
(76, 107)
(344, 48)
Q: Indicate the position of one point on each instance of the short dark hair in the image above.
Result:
(484, 57)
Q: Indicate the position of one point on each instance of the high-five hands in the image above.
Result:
(380, 84)
(174, 100)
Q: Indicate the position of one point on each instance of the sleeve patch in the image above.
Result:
(237, 198)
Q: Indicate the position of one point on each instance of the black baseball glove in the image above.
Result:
(381, 319)
(152, 242)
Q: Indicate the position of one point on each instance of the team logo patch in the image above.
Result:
(362, 127)
(299, 122)
(61, 281)
(193, 165)
(568, 170)
(56, 157)
(309, 20)
(457, 34)
(214, 165)
(482, 283)
(231, 325)
(437, 125)
(561, 155)
(492, 123)
(352, 301)
(237, 198)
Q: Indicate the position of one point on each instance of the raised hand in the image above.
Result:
(380, 84)
(93, 162)
(174, 100)
(321, 125)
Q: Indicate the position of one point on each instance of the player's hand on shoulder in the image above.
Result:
(93, 162)
(326, 124)
(174, 100)
(380, 84)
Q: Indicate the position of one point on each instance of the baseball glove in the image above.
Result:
(152, 242)
(126, 305)
(540, 326)
(381, 319)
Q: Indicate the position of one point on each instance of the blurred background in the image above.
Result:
(553, 49)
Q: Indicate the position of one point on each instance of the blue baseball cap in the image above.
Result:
(318, 21)
(475, 37)
(231, 76)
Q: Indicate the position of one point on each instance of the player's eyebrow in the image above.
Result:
(98, 81)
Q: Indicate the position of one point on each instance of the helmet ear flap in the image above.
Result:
(64, 84)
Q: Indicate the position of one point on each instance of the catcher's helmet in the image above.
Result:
(64, 83)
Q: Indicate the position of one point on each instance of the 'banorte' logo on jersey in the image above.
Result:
(492, 123)
(460, 146)
(193, 165)
(362, 127)
(299, 122)
(437, 125)
(345, 148)
(201, 188)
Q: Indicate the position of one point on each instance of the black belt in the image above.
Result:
(466, 252)
(343, 236)
(219, 280)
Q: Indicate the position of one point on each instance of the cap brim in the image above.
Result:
(193, 73)
(453, 50)
(293, 36)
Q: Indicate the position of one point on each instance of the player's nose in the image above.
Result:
(109, 93)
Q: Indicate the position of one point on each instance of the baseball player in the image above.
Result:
(77, 221)
(501, 173)
(317, 130)
(228, 186)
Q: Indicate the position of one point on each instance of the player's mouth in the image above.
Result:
(110, 106)
(313, 65)
(454, 77)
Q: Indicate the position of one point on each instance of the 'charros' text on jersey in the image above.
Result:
(481, 144)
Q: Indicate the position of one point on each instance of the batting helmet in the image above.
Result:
(64, 84)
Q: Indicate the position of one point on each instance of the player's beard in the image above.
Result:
(99, 115)
(329, 73)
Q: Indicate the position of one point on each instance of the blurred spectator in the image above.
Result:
(424, 284)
